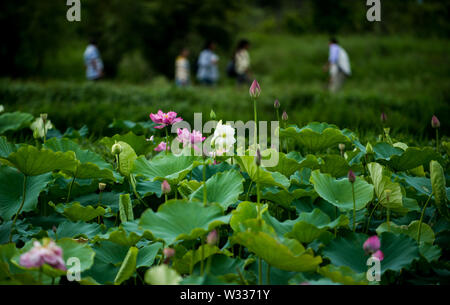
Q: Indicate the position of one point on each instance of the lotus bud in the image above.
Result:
(369, 148)
(383, 117)
(168, 253)
(372, 244)
(255, 89)
(351, 176)
(44, 116)
(435, 122)
(258, 157)
(276, 104)
(212, 115)
(165, 187)
(116, 149)
(54, 229)
(212, 237)
(378, 254)
(101, 186)
(284, 116)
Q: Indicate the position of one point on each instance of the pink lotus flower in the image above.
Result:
(255, 89)
(378, 254)
(49, 253)
(212, 237)
(188, 138)
(372, 244)
(435, 122)
(168, 253)
(351, 176)
(164, 119)
(165, 187)
(161, 147)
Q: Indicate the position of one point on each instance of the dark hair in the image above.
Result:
(242, 44)
(208, 44)
(93, 41)
(333, 40)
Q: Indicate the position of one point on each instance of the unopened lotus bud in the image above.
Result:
(212, 115)
(383, 117)
(101, 186)
(54, 229)
(258, 157)
(116, 149)
(168, 253)
(435, 122)
(369, 148)
(276, 104)
(255, 89)
(351, 176)
(44, 116)
(212, 237)
(165, 187)
(284, 116)
(388, 194)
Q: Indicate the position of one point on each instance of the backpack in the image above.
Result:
(231, 70)
(344, 62)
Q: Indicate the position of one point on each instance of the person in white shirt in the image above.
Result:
(93, 62)
(338, 65)
(182, 69)
(242, 62)
(208, 72)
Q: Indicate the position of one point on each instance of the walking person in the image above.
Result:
(93, 62)
(208, 72)
(242, 62)
(338, 65)
(182, 69)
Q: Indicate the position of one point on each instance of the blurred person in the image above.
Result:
(338, 65)
(242, 62)
(182, 69)
(93, 61)
(208, 73)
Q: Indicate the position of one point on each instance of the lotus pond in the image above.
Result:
(126, 210)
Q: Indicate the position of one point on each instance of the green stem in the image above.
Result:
(167, 140)
(165, 197)
(248, 191)
(21, 206)
(335, 217)
(437, 140)
(354, 208)
(241, 276)
(260, 270)
(387, 218)
(370, 216)
(203, 256)
(205, 195)
(256, 123)
(278, 116)
(70, 188)
(421, 218)
(98, 204)
(268, 275)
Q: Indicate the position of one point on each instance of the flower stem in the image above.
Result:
(256, 123)
(370, 216)
(70, 189)
(248, 191)
(167, 141)
(421, 218)
(354, 208)
(260, 270)
(21, 206)
(387, 219)
(205, 194)
(203, 256)
(268, 275)
(437, 140)
(241, 276)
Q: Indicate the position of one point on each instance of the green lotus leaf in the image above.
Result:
(82, 251)
(292, 162)
(186, 188)
(162, 275)
(162, 167)
(76, 229)
(263, 177)
(14, 121)
(11, 191)
(126, 159)
(7, 252)
(75, 211)
(315, 136)
(128, 266)
(147, 255)
(108, 199)
(147, 188)
(382, 184)
(33, 162)
(138, 143)
(430, 252)
(421, 184)
(6, 148)
(343, 275)
(125, 208)
(187, 262)
(339, 192)
(284, 197)
(337, 166)
(120, 236)
(412, 158)
(287, 254)
(245, 210)
(385, 151)
(439, 191)
(197, 220)
(223, 188)
(412, 230)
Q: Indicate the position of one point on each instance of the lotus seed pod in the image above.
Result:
(255, 89)
(258, 157)
(101, 186)
(212, 237)
(116, 149)
(284, 116)
(438, 186)
(388, 194)
(165, 187)
(435, 122)
(369, 148)
(276, 104)
(44, 116)
(341, 146)
(351, 176)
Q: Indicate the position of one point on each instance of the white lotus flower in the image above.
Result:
(38, 127)
(223, 139)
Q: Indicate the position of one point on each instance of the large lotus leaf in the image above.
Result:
(33, 162)
(383, 183)
(263, 177)
(223, 265)
(82, 251)
(343, 275)
(287, 254)
(147, 255)
(75, 211)
(292, 162)
(337, 166)
(187, 188)
(187, 262)
(162, 167)
(385, 151)
(421, 184)
(128, 266)
(315, 136)
(412, 230)
(245, 210)
(284, 197)
(196, 220)
(412, 158)
(14, 121)
(430, 252)
(102, 272)
(108, 199)
(76, 229)
(7, 252)
(126, 159)
(223, 188)
(121, 236)
(162, 275)
(125, 208)
(6, 148)
(11, 191)
(139, 144)
(399, 251)
(147, 188)
(439, 191)
(339, 192)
